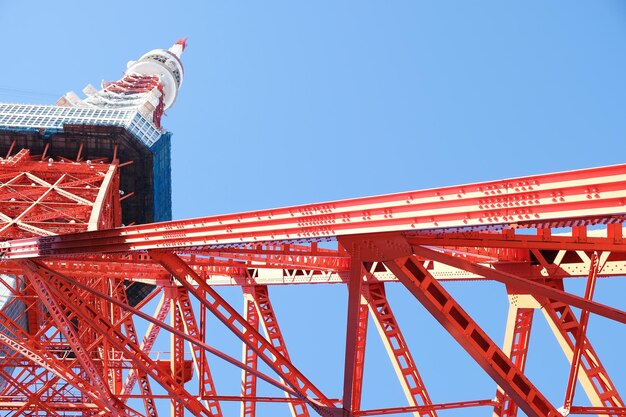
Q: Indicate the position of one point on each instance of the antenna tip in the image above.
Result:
(182, 42)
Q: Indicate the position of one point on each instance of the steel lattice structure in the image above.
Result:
(76, 285)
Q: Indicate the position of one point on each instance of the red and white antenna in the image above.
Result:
(150, 85)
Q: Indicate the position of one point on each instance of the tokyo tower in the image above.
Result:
(107, 305)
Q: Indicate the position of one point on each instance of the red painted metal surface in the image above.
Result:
(517, 349)
(78, 343)
(398, 350)
(269, 322)
(565, 199)
(43, 196)
(594, 377)
(581, 334)
(471, 337)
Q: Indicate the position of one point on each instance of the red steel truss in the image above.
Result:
(77, 340)
(42, 196)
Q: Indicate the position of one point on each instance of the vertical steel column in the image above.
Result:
(112, 358)
(177, 351)
(272, 331)
(352, 372)
(205, 379)
(359, 366)
(516, 341)
(249, 356)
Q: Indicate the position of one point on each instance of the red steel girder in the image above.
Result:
(177, 352)
(230, 275)
(207, 387)
(397, 349)
(516, 344)
(52, 408)
(286, 255)
(426, 408)
(471, 337)
(522, 284)
(355, 341)
(359, 365)
(614, 411)
(595, 379)
(563, 199)
(581, 334)
(249, 357)
(510, 239)
(269, 322)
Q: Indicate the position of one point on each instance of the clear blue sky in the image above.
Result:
(294, 102)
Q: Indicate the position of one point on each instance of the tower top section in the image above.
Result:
(150, 85)
(120, 123)
(164, 63)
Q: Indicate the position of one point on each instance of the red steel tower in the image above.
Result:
(90, 283)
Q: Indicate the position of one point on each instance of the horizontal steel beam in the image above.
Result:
(521, 284)
(519, 241)
(596, 195)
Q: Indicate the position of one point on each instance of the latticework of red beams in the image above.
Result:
(423, 409)
(235, 323)
(207, 387)
(51, 197)
(158, 321)
(80, 307)
(594, 379)
(152, 332)
(524, 285)
(67, 328)
(86, 332)
(141, 375)
(471, 337)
